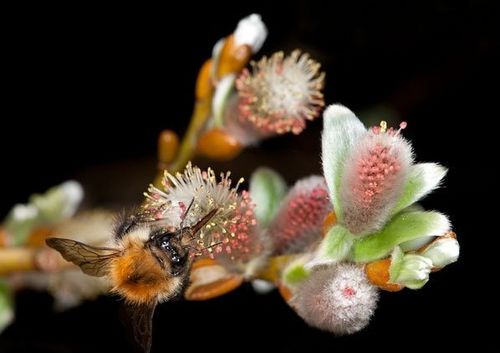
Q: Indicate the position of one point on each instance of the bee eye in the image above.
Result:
(163, 241)
(168, 244)
(165, 245)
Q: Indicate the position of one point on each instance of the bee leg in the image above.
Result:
(138, 321)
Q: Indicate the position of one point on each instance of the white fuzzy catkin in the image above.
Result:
(281, 92)
(230, 233)
(337, 298)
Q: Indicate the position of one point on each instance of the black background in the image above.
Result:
(87, 90)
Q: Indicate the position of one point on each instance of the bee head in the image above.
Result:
(167, 247)
(154, 259)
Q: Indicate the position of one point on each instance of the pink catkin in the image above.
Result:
(373, 179)
(300, 219)
(376, 171)
(230, 234)
(239, 241)
(281, 93)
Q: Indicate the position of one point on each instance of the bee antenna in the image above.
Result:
(186, 213)
(205, 248)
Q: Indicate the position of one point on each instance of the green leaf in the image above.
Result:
(403, 227)
(422, 179)
(295, 272)
(216, 53)
(333, 248)
(6, 305)
(442, 252)
(416, 243)
(341, 130)
(267, 190)
(20, 222)
(59, 202)
(396, 262)
(223, 92)
(413, 271)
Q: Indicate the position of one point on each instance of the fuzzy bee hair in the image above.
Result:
(146, 265)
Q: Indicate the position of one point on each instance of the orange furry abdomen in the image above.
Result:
(137, 276)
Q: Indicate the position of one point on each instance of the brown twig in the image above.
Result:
(24, 259)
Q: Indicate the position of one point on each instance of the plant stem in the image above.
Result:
(16, 260)
(187, 149)
(23, 259)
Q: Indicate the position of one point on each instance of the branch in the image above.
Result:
(22, 259)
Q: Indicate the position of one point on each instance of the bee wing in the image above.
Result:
(91, 259)
(139, 322)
